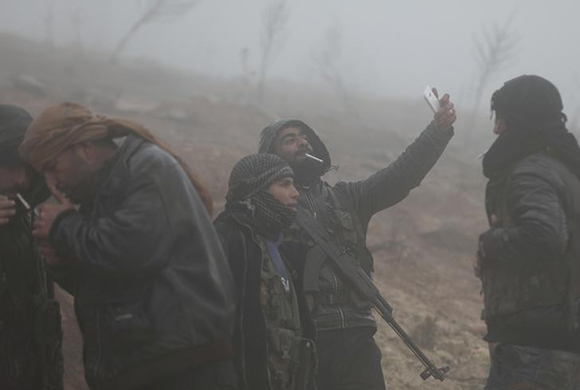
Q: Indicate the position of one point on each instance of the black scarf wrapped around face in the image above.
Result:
(522, 140)
(270, 216)
(531, 108)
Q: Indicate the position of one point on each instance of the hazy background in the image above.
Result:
(355, 71)
(389, 48)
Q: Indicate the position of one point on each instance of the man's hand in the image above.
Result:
(47, 213)
(445, 117)
(7, 209)
(49, 254)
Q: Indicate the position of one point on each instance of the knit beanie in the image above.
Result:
(528, 97)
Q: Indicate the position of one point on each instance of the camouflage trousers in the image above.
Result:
(515, 367)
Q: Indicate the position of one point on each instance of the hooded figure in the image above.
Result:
(348, 357)
(271, 351)
(30, 336)
(528, 260)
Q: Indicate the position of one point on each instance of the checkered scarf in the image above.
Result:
(249, 182)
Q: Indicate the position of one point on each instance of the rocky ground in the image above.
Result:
(423, 247)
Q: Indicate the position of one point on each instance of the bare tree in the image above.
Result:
(495, 51)
(156, 10)
(275, 20)
(327, 58)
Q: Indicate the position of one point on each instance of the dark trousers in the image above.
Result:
(528, 368)
(215, 376)
(349, 359)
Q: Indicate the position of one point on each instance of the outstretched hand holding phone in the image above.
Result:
(444, 109)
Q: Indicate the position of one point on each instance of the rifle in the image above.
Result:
(363, 284)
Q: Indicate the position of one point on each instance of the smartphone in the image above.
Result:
(431, 99)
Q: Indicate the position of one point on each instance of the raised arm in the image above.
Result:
(393, 183)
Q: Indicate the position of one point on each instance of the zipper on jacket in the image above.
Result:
(310, 202)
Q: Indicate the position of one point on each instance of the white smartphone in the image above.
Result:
(431, 99)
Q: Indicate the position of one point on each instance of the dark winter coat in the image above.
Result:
(526, 255)
(345, 209)
(30, 326)
(153, 291)
(245, 255)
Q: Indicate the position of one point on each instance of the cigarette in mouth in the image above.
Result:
(314, 158)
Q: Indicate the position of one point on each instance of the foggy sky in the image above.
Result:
(391, 48)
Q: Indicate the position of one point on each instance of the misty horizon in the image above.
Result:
(387, 50)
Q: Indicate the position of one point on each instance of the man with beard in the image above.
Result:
(153, 290)
(348, 355)
(30, 332)
(271, 353)
(529, 259)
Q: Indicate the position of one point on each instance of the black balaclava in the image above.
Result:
(249, 182)
(531, 108)
(13, 124)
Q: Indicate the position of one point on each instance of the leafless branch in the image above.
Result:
(156, 10)
(495, 51)
(326, 60)
(275, 20)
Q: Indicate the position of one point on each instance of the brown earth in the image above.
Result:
(423, 247)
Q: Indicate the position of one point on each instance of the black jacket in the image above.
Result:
(30, 326)
(526, 270)
(153, 291)
(250, 333)
(345, 209)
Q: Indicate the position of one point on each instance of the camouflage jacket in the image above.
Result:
(268, 328)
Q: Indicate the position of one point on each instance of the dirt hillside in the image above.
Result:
(423, 247)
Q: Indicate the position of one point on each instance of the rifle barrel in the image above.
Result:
(385, 311)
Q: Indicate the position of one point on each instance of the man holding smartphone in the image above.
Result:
(348, 356)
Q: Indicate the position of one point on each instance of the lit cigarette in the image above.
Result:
(23, 201)
(25, 204)
(314, 158)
